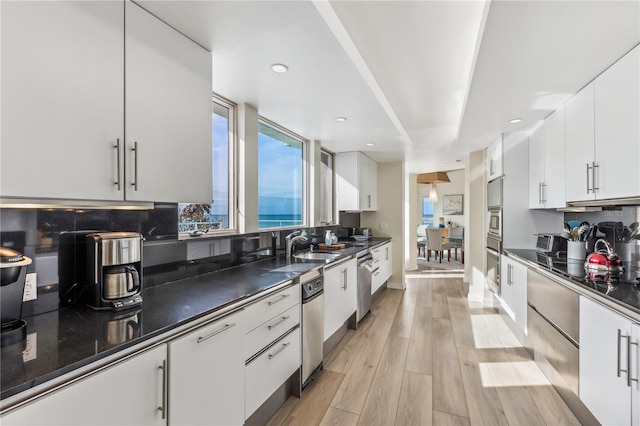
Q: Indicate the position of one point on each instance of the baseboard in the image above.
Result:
(396, 285)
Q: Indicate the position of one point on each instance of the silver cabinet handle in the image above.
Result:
(544, 193)
(595, 166)
(369, 200)
(284, 346)
(165, 388)
(344, 274)
(117, 147)
(620, 337)
(588, 169)
(375, 274)
(280, 321)
(135, 166)
(539, 192)
(629, 344)
(282, 297)
(209, 336)
(491, 166)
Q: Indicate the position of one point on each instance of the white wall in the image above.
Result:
(476, 230)
(391, 210)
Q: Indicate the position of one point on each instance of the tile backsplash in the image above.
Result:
(36, 233)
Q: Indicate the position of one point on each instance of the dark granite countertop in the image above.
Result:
(623, 290)
(73, 337)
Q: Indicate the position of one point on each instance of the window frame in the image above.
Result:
(233, 172)
(305, 176)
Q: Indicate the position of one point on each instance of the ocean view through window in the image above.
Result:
(280, 177)
(216, 216)
(427, 212)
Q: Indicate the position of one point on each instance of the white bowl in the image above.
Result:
(359, 237)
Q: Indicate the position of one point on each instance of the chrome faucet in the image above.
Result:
(291, 239)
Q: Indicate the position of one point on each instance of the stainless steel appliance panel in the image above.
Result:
(312, 335)
(365, 274)
(557, 357)
(495, 224)
(493, 270)
(120, 247)
(494, 194)
(556, 303)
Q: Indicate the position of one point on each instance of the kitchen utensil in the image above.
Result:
(611, 230)
(574, 234)
(633, 231)
(566, 235)
(603, 260)
(573, 223)
(566, 227)
(583, 230)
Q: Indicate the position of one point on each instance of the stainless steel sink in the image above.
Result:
(314, 255)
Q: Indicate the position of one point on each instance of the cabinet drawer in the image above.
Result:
(268, 307)
(269, 331)
(267, 372)
(377, 279)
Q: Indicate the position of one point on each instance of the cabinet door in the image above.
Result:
(340, 295)
(62, 99)
(506, 286)
(635, 374)
(348, 197)
(206, 374)
(553, 191)
(603, 387)
(368, 183)
(168, 113)
(519, 295)
(128, 393)
(494, 167)
(580, 145)
(536, 167)
(617, 128)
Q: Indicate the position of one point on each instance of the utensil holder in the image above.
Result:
(576, 250)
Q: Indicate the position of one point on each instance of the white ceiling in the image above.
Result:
(426, 81)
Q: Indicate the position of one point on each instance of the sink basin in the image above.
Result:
(319, 256)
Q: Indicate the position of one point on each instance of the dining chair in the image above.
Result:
(456, 243)
(422, 239)
(434, 242)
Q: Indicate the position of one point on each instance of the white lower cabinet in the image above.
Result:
(127, 393)
(267, 372)
(609, 362)
(513, 291)
(382, 261)
(340, 295)
(206, 374)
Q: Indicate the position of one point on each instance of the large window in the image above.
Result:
(280, 177)
(427, 212)
(196, 218)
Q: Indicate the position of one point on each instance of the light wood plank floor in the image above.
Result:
(425, 356)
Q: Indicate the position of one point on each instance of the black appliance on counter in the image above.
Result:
(13, 273)
(101, 269)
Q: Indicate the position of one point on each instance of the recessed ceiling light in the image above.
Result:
(442, 164)
(515, 120)
(371, 144)
(341, 119)
(279, 68)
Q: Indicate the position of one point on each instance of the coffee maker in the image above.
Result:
(114, 270)
(13, 270)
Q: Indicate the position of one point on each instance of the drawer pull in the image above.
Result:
(209, 336)
(284, 346)
(283, 319)
(282, 297)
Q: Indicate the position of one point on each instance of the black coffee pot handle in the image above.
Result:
(133, 278)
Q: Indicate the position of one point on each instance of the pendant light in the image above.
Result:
(433, 178)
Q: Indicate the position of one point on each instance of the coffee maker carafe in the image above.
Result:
(114, 270)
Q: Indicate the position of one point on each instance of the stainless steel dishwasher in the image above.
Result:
(312, 325)
(365, 272)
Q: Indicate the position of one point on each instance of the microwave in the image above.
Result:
(551, 243)
(495, 223)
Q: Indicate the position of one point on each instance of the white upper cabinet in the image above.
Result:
(356, 182)
(62, 99)
(617, 129)
(580, 145)
(493, 159)
(603, 134)
(168, 113)
(546, 163)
